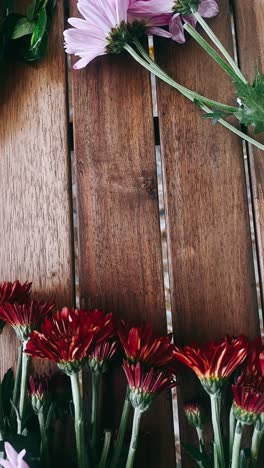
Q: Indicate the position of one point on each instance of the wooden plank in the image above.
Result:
(120, 251)
(35, 203)
(249, 17)
(210, 256)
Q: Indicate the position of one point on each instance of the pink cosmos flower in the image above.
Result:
(178, 10)
(14, 459)
(106, 27)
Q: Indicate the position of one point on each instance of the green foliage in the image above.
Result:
(251, 111)
(200, 456)
(26, 36)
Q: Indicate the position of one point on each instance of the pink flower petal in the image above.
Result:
(159, 32)
(176, 29)
(208, 8)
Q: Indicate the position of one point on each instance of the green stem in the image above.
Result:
(105, 451)
(232, 426)
(158, 72)
(121, 433)
(82, 455)
(44, 452)
(192, 95)
(256, 441)
(219, 45)
(200, 437)
(18, 377)
(134, 438)
(204, 44)
(216, 403)
(237, 444)
(94, 414)
(26, 359)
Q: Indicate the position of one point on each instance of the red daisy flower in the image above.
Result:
(141, 344)
(105, 343)
(214, 362)
(15, 292)
(144, 384)
(248, 394)
(66, 338)
(25, 318)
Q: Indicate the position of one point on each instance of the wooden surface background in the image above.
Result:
(211, 268)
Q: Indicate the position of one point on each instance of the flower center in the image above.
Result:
(123, 34)
(186, 7)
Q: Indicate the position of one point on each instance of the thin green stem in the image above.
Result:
(94, 414)
(200, 436)
(216, 403)
(192, 95)
(26, 359)
(210, 51)
(158, 72)
(134, 438)
(82, 455)
(219, 45)
(44, 451)
(237, 444)
(105, 451)
(121, 433)
(256, 441)
(17, 377)
(232, 427)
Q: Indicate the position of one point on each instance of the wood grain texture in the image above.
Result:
(249, 18)
(210, 255)
(35, 206)
(120, 247)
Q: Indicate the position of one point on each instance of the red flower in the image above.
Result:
(144, 384)
(141, 344)
(195, 414)
(248, 394)
(101, 354)
(39, 392)
(15, 292)
(214, 362)
(65, 338)
(25, 318)
(105, 325)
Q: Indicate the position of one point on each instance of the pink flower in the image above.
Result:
(106, 28)
(179, 10)
(14, 459)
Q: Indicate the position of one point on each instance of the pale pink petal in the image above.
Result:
(10, 453)
(159, 32)
(190, 19)
(159, 20)
(149, 8)
(85, 60)
(176, 29)
(208, 8)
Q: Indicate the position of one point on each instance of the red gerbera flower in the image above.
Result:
(25, 318)
(195, 414)
(15, 292)
(144, 384)
(248, 394)
(214, 362)
(65, 338)
(105, 343)
(140, 343)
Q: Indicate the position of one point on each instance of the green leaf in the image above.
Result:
(22, 28)
(40, 28)
(216, 114)
(201, 457)
(251, 98)
(7, 391)
(33, 9)
(38, 51)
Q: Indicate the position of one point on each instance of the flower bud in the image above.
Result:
(195, 414)
(39, 392)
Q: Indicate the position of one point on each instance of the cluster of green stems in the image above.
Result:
(236, 428)
(227, 64)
